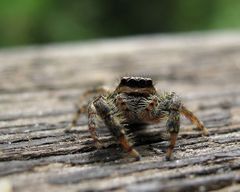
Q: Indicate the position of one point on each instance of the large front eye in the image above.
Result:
(142, 83)
(132, 83)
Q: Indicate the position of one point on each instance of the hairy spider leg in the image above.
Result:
(92, 124)
(172, 143)
(114, 122)
(189, 115)
(80, 110)
(173, 125)
(83, 108)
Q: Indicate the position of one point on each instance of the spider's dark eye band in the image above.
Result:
(137, 82)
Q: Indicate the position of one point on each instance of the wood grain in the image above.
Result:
(39, 86)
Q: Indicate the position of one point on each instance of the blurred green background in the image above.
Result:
(24, 22)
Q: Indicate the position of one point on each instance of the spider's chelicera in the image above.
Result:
(135, 101)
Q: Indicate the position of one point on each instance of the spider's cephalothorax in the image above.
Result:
(135, 101)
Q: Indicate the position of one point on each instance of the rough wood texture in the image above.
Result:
(39, 85)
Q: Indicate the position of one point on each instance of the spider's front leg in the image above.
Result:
(173, 125)
(114, 121)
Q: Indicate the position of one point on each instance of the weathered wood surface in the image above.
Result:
(39, 85)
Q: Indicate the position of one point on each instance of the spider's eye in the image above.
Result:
(148, 83)
(142, 83)
(132, 82)
(124, 81)
(138, 82)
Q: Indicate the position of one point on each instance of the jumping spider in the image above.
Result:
(135, 101)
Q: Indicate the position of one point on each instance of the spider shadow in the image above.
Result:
(141, 136)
